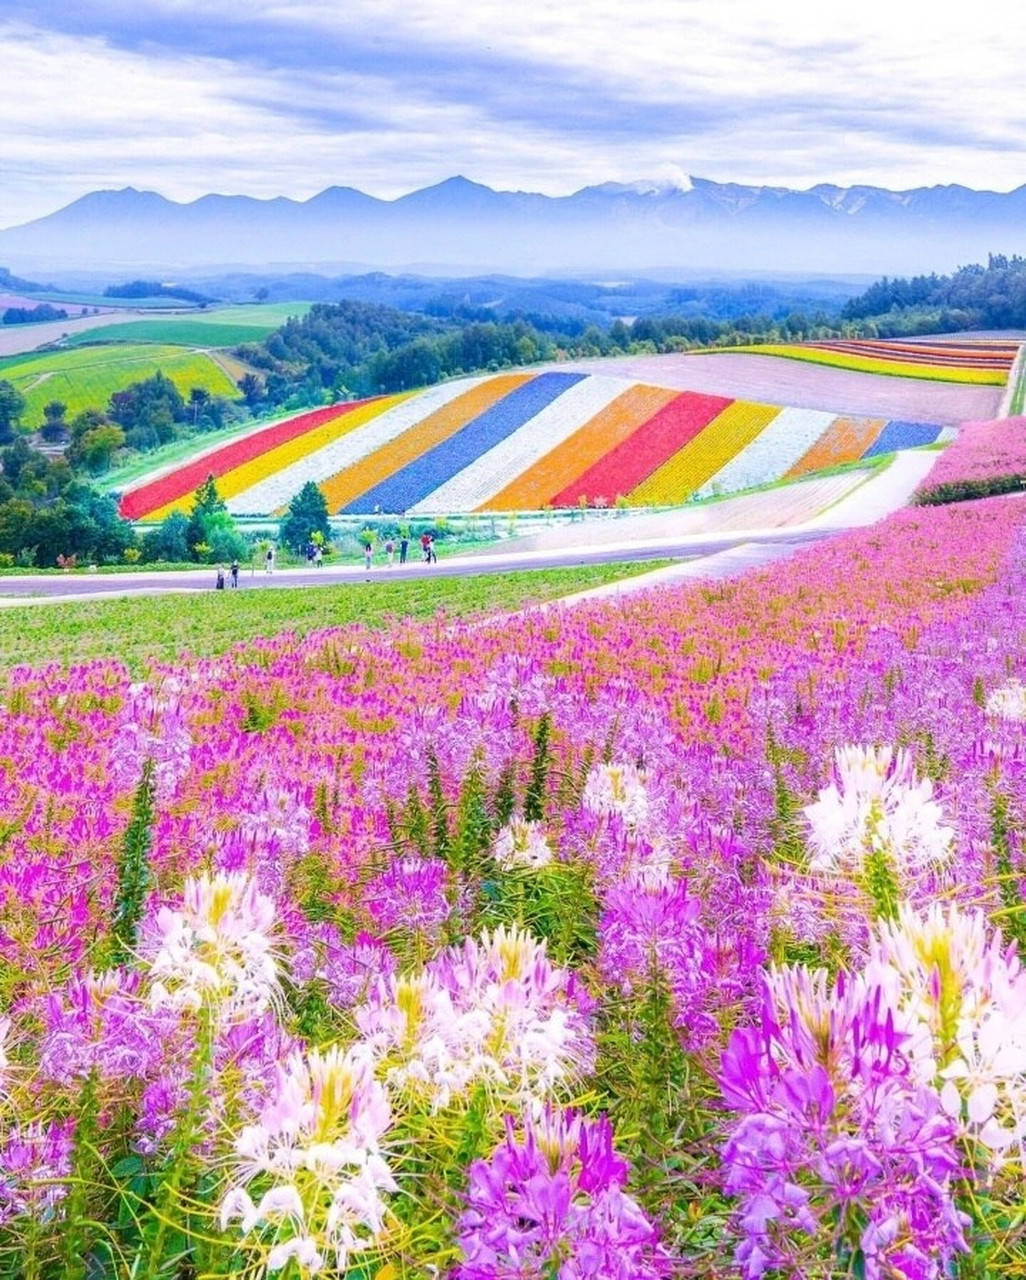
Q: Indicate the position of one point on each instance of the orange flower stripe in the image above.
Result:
(699, 460)
(845, 440)
(570, 459)
(342, 488)
(250, 473)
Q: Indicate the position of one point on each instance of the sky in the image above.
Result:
(287, 97)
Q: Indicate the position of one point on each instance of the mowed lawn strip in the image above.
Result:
(143, 629)
(535, 487)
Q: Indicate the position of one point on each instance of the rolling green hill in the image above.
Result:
(85, 378)
(226, 327)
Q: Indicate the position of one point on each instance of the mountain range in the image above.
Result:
(459, 226)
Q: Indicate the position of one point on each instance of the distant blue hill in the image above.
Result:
(461, 227)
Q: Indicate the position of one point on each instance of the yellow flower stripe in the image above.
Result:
(250, 473)
(342, 488)
(699, 460)
(845, 440)
(536, 486)
(869, 364)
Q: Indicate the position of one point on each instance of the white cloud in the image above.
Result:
(539, 97)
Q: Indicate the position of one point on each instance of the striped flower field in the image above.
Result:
(522, 441)
(981, 363)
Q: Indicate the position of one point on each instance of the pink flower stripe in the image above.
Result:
(982, 451)
(138, 503)
(634, 459)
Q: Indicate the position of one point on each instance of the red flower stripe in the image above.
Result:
(634, 459)
(149, 497)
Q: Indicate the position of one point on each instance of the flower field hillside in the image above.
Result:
(679, 937)
(523, 441)
(974, 361)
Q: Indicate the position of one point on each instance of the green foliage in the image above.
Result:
(133, 872)
(973, 297)
(12, 405)
(534, 797)
(306, 519)
(169, 541)
(140, 630)
(1009, 874)
(966, 490)
(211, 534)
(786, 824)
(45, 512)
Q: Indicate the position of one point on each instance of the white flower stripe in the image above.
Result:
(276, 490)
(776, 449)
(493, 470)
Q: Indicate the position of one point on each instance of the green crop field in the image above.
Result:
(184, 332)
(146, 629)
(156, 303)
(226, 327)
(85, 377)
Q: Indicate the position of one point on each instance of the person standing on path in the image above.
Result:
(318, 557)
(269, 560)
(404, 545)
(390, 552)
(219, 580)
(234, 571)
(368, 552)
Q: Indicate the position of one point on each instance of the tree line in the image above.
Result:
(973, 297)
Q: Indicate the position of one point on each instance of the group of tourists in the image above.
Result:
(427, 546)
(233, 575)
(315, 555)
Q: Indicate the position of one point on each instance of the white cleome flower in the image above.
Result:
(877, 804)
(522, 844)
(617, 789)
(961, 992)
(318, 1137)
(1008, 702)
(216, 949)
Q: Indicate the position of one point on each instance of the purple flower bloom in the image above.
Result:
(551, 1202)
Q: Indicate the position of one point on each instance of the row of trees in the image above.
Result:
(973, 297)
(141, 417)
(354, 348)
(47, 511)
(48, 515)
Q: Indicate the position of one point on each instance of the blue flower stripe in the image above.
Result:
(417, 479)
(903, 435)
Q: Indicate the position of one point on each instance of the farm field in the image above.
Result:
(220, 327)
(558, 438)
(85, 378)
(981, 363)
(804, 386)
(18, 339)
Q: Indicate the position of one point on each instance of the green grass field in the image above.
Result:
(139, 630)
(225, 327)
(101, 300)
(85, 377)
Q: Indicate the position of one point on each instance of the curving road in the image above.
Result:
(715, 554)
